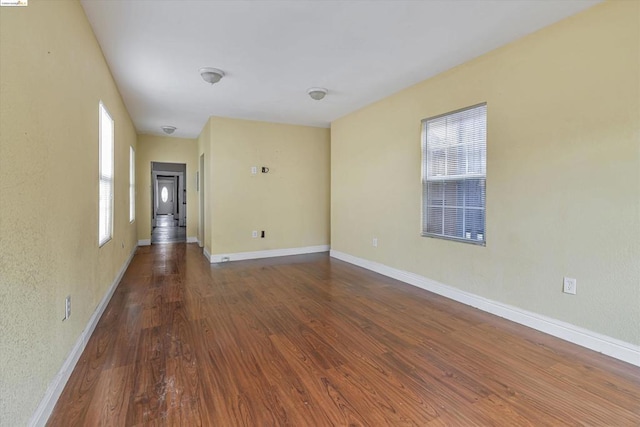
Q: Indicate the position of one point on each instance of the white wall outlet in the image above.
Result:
(67, 307)
(254, 170)
(254, 234)
(375, 242)
(569, 285)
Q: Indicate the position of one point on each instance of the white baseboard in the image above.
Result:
(192, 239)
(206, 254)
(613, 347)
(240, 256)
(48, 402)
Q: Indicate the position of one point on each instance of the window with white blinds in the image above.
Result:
(105, 220)
(132, 184)
(454, 157)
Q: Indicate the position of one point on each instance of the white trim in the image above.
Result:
(610, 346)
(192, 239)
(239, 256)
(206, 254)
(48, 402)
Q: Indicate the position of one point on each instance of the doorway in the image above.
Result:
(201, 200)
(169, 203)
(167, 187)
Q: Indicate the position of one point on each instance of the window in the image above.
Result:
(454, 157)
(132, 184)
(105, 220)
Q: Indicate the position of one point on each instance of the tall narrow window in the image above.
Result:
(454, 154)
(132, 184)
(105, 221)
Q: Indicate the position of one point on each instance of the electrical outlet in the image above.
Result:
(254, 170)
(254, 234)
(375, 242)
(67, 307)
(570, 285)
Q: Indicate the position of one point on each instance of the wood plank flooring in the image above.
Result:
(166, 230)
(313, 341)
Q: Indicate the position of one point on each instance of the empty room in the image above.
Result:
(319, 213)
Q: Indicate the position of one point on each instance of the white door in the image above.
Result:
(166, 191)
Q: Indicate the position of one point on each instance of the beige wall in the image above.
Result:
(563, 180)
(52, 76)
(291, 202)
(153, 148)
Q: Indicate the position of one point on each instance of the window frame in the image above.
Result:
(459, 178)
(105, 176)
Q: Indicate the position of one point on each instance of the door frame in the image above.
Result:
(201, 201)
(178, 201)
(173, 182)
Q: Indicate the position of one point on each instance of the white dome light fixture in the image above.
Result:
(211, 75)
(317, 93)
(168, 129)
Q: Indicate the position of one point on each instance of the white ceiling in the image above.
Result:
(273, 51)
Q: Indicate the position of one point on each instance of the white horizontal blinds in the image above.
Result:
(454, 174)
(132, 184)
(105, 221)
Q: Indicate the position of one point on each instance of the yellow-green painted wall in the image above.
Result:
(291, 202)
(153, 148)
(52, 77)
(563, 174)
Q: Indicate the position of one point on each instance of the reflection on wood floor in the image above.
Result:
(312, 341)
(166, 230)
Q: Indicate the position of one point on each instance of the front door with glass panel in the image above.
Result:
(166, 191)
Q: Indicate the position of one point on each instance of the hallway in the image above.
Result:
(166, 230)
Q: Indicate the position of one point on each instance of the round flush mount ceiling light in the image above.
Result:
(317, 93)
(168, 129)
(211, 75)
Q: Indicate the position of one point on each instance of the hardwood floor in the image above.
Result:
(310, 340)
(166, 230)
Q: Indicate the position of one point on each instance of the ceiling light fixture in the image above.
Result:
(317, 93)
(211, 75)
(168, 129)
